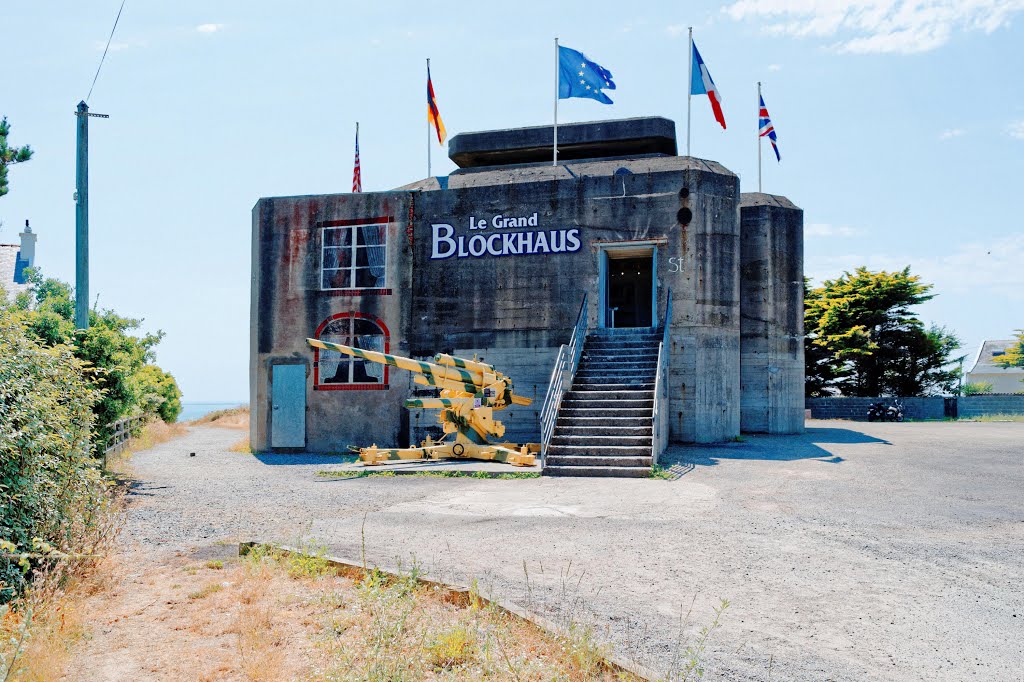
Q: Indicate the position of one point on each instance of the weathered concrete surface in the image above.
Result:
(593, 139)
(771, 315)
(287, 306)
(514, 305)
(851, 552)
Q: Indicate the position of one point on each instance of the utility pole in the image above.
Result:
(82, 217)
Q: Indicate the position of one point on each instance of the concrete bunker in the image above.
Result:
(495, 261)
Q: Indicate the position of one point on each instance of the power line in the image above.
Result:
(105, 51)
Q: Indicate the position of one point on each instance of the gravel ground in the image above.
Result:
(853, 552)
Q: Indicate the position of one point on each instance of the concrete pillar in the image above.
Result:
(771, 315)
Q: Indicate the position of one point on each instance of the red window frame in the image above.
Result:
(382, 386)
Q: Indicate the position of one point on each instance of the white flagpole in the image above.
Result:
(689, 92)
(428, 121)
(759, 137)
(554, 161)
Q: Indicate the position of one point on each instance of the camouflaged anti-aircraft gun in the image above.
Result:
(470, 393)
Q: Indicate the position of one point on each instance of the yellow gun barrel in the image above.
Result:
(440, 372)
(474, 365)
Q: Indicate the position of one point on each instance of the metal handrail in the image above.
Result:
(659, 431)
(564, 371)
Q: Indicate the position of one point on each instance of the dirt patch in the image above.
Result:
(268, 617)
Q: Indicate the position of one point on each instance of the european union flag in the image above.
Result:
(580, 77)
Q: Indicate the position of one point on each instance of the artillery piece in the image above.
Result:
(470, 393)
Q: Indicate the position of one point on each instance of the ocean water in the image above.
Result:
(190, 411)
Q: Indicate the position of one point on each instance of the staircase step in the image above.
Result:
(602, 430)
(616, 368)
(604, 421)
(617, 384)
(600, 450)
(598, 461)
(609, 472)
(605, 413)
(640, 394)
(601, 441)
(601, 402)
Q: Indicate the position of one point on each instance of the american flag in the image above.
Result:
(767, 129)
(357, 176)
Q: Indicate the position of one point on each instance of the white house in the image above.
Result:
(1003, 379)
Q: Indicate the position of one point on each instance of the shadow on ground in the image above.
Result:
(679, 460)
(299, 459)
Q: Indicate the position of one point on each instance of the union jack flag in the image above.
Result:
(357, 175)
(767, 129)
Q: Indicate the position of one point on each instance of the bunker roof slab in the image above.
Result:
(651, 135)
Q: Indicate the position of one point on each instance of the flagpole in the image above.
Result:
(759, 137)
(554, 161)
(689, 92)
(428, 122)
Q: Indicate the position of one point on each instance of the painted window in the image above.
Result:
(354, 257)
(336, 371)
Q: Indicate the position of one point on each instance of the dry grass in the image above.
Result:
(234, 418)
(39, 632)
(241, 446)
(292, 617)
(153, 433)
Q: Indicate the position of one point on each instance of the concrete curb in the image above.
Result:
(460, 596)
(446, 473)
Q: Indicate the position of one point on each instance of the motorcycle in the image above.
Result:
(886, 413)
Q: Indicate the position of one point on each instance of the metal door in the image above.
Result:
(287, 406)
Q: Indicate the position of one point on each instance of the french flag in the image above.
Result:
(701, 84)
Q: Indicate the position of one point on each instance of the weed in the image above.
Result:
(215, 564)
(453, 647)
(242, 446)
(662, 473)
(206, 591)
(739, 439)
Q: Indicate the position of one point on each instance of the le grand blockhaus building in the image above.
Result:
(495, 260)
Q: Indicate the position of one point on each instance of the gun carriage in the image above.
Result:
(470, 393)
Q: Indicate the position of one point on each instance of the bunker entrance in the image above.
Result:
(630, 288)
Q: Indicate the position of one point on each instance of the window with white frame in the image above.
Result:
(354, 257)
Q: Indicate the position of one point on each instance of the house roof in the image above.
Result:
(990, 349)
(12, 268)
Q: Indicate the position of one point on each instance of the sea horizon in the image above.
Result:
(195, 409)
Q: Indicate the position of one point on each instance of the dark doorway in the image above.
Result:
(630, 289)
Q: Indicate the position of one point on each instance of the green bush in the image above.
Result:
(50, 486)
(977, 388)
(117, 358)
(159, 393)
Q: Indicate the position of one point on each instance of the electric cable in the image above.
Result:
(103, 58)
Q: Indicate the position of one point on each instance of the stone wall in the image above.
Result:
(857, 408)
(982, 405)
(937, 407)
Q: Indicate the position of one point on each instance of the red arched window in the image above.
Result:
(333, 371)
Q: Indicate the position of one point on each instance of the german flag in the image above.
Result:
(433, 115)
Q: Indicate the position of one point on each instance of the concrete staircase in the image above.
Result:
(604, 422)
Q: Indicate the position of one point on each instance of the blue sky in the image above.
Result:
(901, 127)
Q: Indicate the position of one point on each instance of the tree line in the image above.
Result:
(61, 391)
(862, 338)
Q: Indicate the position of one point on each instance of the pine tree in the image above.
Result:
(9, 155)
(863, 340)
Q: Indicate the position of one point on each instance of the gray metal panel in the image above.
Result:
(288, 406)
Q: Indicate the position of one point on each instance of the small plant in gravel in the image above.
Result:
(661, 473)
(453, 647)
(206, 591)
(215, 564)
